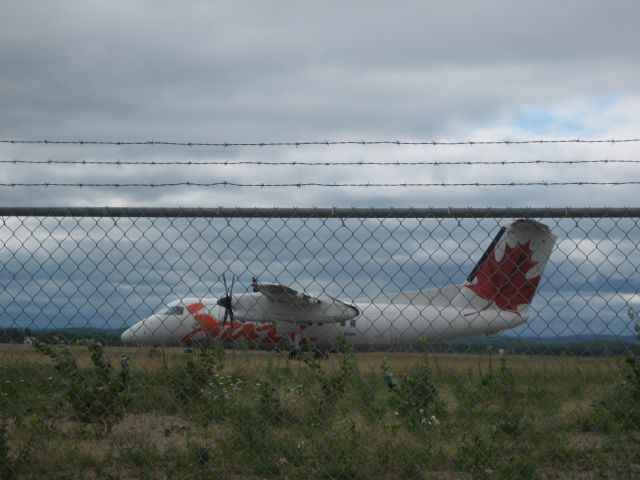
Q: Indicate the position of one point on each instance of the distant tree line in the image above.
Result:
(556, 347)
(474, 345)
(14, 335)
(70, 336)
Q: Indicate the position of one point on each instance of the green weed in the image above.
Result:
(98, 397)
(484, 457)
(7, 469)
(522, 418)
(200, 371)
(269, 407)
(332, 383)
(498, 384)
(619, 408)
(415, 396)
(140, 453)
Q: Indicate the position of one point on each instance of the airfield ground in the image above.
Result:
(259, 415)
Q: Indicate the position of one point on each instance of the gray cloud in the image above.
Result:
(309, 71)
(272, 71)
(108, 273)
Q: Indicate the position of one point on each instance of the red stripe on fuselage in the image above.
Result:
(231, 331)
(195, 307)
(208, 323)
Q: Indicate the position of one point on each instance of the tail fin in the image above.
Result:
(508, 273)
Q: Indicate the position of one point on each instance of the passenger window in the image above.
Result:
(174, 311)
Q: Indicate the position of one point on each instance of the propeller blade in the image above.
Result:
(227, 301)
(233, 280)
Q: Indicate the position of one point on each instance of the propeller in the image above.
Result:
(226, 301)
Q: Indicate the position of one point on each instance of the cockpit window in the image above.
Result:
(174, 311)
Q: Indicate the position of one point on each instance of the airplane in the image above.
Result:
(495, 296)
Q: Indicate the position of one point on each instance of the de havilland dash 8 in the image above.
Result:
(495, 296)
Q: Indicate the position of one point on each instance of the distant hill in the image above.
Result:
(68, 335)
(576, 345)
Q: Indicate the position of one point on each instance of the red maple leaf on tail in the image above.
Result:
(504, 281)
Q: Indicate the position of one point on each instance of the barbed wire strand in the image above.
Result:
(315, 163)
(318, 184)
(434, 143)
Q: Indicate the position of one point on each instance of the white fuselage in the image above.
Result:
(496, 296)
(379, 326)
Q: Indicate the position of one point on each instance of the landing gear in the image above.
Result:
(320, 354)
(294, 335)
(295, 354)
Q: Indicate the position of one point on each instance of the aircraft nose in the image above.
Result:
(141, 333)
(134, 335)
(126, 336)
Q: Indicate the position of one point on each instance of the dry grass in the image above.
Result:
(574, 411)
(537, 413)
(246, 361)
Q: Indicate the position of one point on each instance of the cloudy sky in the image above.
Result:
(300, 71)
(110, 273)
(312, 71)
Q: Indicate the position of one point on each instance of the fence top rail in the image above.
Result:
(324, 212)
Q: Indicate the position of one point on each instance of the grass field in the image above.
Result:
(247, 414)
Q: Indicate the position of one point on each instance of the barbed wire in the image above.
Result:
(323, 212)
(320, 184)
(316, 163)
(434, 143)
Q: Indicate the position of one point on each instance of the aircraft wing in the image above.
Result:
(282, 294)
(284, 304)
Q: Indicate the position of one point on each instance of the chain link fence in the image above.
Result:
(319, 343)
